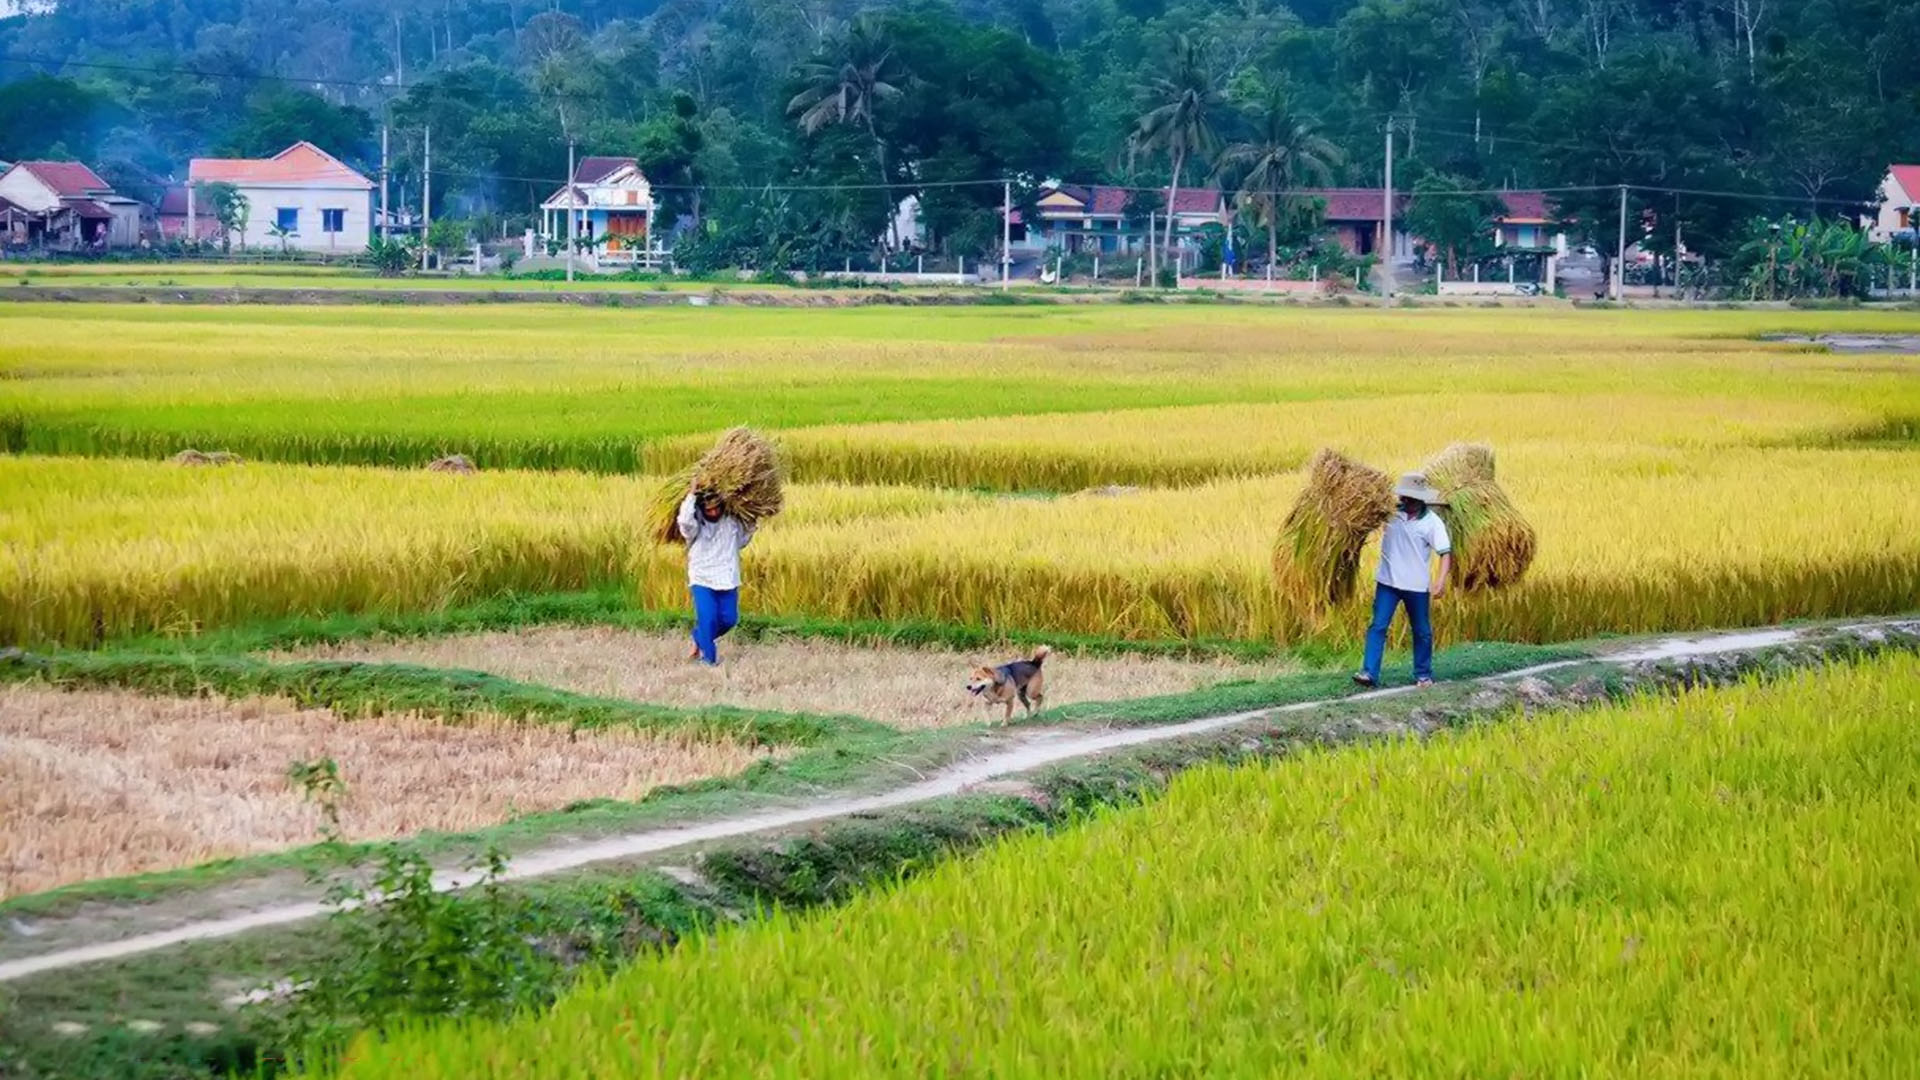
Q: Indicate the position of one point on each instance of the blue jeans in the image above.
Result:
(715, 611)
(1419, 617)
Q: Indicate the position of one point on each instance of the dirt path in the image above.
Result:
(1027, 753)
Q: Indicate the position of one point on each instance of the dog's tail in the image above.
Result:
(1040, 654)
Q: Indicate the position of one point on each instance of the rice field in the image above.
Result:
(100, 548)
(976, 398)
(1707, 887)
(100, 784)
(1679, 474)
(1716, 886)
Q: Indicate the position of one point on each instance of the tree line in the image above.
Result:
(788, 129)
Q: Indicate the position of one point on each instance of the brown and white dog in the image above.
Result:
(1017, 680)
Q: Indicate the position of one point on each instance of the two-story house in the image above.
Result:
(613, 210)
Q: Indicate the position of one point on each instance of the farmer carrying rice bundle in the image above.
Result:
(714, 541)
(1408, 543)
(714, 508)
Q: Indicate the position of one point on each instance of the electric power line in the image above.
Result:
(1430, 129)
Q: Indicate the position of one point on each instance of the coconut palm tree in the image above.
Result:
(1181, 104)
(1286, 150)
(846, 84)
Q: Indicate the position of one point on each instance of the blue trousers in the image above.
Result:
(1419, 617)
(715, 611)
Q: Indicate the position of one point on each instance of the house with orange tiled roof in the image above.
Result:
(66, 206)
(302, 197)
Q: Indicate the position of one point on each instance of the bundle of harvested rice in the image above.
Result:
(194, 458)
(453, 463)
(1318, 553)
(1493, 545)
(742, 471)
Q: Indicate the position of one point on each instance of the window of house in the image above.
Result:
(287, 218)
(333, 221)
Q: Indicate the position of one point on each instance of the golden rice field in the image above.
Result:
(1680, 473)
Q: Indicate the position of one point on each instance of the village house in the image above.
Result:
(1353, 218)
(1093, 219)
(1899, 214)
(613, 211)
(303, 198)
(64, 206)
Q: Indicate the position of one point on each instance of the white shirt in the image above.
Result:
(713, 547)
(1407, 547)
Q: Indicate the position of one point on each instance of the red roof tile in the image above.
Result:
(1101, 200)
(1529, 207)
(301, 163)
(1355, 204)
(1908, 177)
(66, 178)
(590, 170)
(173, 201)
(1363, 204)
(88, 209)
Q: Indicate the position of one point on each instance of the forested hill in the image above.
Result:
(1802, 98)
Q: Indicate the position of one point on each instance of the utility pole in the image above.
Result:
(1153, 253)
(426, 199)
(1006, 233)
(1386, 225)
(1620, 252)
(570, 211)
(386, 217)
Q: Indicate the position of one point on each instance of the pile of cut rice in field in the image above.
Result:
(1493, 545)
(1319, 550)
(742, 472)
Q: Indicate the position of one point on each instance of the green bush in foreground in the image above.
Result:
(1716, 886)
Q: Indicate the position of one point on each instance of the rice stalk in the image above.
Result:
(742, 472)
(1493, 544)
(1318, 553)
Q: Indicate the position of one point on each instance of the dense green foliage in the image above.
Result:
(1707, 887)
(1806, 100)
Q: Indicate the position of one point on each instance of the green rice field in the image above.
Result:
(1713, 886)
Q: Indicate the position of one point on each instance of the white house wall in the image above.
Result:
(1884, 224)
(264, 203)
(25, 190)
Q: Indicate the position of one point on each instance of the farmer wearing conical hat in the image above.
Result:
(714, 539)
(1412, 537)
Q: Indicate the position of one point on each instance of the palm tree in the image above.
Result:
(1179, 117)
(1286, 150)
(846, 84)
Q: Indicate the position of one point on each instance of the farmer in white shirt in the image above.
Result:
(1413, 536)
(714, 539)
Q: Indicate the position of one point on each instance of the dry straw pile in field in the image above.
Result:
(1318, 554)
(1493, 545)
(742, 472)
